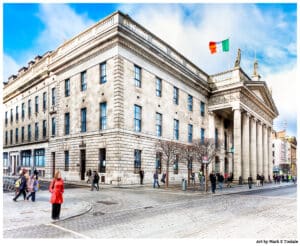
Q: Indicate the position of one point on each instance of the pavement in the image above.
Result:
(77, 202)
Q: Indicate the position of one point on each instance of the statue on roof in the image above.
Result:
(238, 59)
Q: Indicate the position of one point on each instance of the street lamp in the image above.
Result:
(206, 162)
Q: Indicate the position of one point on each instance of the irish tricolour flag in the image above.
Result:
(219, 46)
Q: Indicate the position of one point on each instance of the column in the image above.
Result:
(270, 152)
(211, 125)
(237, 133)
(245, 147)
(253, 153)
(259, 149)
(265, 152)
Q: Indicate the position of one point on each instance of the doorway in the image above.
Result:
(82, 164)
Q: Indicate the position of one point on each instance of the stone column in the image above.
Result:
(259, 149)
(265, 153)
(245, 147)
(253, 152)
(237, 133)
(211, 125)
(270, 152)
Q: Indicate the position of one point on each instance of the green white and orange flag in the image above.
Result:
(219, 46)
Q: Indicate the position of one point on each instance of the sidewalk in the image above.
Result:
(76, 202)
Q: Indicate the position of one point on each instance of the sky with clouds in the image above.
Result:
(265, 31)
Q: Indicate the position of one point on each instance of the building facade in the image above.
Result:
(101, 101)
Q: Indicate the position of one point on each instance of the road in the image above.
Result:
(149, 213)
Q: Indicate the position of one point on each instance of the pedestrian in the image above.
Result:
(22, 187)
(18, 182)
(57, 189)
(220, 181)
(33, 187)
(95, 181)
(141, 176)
(36, 173)
(200, 178)
(89, 174)
(262, 179)
(155, 180)
(258, 180)
(275, 178)
(250, 180)
(213, 181)
(163, 178)
(193, 178)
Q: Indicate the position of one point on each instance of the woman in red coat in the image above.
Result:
(57, 189)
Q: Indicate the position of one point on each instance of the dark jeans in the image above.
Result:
(213, 187)
(32, 195)
(55, 211)
(20, 192)
(141, 180)
(96, 185)
(156, 182)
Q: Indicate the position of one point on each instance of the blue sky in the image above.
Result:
(265, 30)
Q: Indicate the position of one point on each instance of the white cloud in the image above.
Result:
(10, 66)
(61, 23)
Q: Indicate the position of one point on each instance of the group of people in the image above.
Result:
(156, 178)
(284, 178)
(26, 185)
(218, 178)
(93, 177)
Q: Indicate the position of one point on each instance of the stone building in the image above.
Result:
(101, 100)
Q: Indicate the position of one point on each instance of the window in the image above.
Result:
(190, 133)
(67, 123)
(83, 120)
(6, 118)
(22, 134)
(5, 159)
(158, 87)
(17, 135)
(176, 129)
(11, 116)
(175, 95)
(175, 165)
(158, 124)
(190, 103)
(103, 116)
(202, 109)
(44, 128)
(103, 73)
(137, 76)
(29, 108)
(53, 130)
(216, 137)
(23, 111)
(36, 131)
(83, 80)
(39, 157)
(53, 96)
(137, 118)
(158, 162)
(11, 136)
(6, 137)
(225, 141)
(36, 104)
(44, 101)
(102, 160)
(17, 113)
(67, 161)
(137, 160)
(217, 164)
(67, 87)
(202, 135)
(29, 132)
(26, 158)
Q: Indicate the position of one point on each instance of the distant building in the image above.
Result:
(101, 101)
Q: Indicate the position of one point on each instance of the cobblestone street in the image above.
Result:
(153, 213)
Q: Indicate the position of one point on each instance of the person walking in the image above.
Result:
(250, 180)
(33, 187)
(141, 176)
(89, 175)
(258, 180)
(155, 180)
(22, 187)
(262, 179)
(220, 181)
(95, 181)
(213, 181)
(57, 189)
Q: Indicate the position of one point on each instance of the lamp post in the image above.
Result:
(205, 162)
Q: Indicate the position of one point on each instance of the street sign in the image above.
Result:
(205, 159)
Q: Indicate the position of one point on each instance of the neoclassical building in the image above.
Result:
(101, 101)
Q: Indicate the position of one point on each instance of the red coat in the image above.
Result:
(57, 189)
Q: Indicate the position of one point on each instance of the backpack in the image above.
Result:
(18, 182)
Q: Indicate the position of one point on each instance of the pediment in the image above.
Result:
(260, 90)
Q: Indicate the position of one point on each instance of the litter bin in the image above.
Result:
(183, 184)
